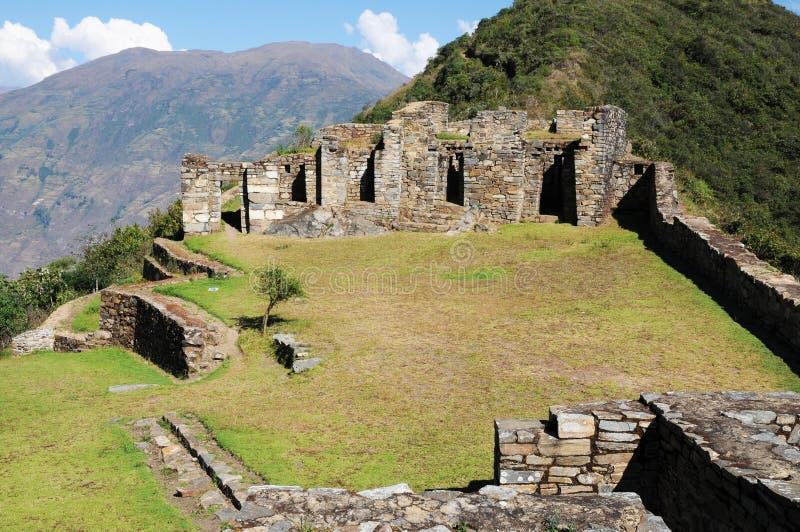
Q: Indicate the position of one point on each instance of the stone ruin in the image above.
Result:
(422, 172)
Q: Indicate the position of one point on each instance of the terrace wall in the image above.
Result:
(161, 332)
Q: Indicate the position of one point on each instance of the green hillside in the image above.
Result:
(713, 86)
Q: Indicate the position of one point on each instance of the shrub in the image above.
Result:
(273, 284)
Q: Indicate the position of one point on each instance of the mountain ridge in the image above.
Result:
(103, 141)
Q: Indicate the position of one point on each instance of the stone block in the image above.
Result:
(575, 425)
(561, 471)
(567, 490)
(618, 426)
(538, 460)
(617, 436)
(550, 446)
(517, 448)
(612, 458)
(508, 476)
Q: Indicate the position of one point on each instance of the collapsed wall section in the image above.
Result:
(160, 331)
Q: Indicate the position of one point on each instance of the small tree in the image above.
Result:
(273, 284)
(303, 136)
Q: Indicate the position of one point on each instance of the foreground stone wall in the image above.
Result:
(702, 461)
(30, 341)
(160, 331)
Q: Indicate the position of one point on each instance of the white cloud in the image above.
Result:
(467, 27)
(25, 58)
(383, 39)
(95, 38)
(349, 28)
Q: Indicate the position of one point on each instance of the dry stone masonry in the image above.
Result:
(702, 461)
(419, 171)
(160, 330)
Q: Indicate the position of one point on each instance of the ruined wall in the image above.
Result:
(200, 195)
(159, 331)
(702, 461)
(587, 448)
(31, 341)
(402, 174)
(769, 297)
(603, 141)
(495, 174)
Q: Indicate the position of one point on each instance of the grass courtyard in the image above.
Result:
(426, 340)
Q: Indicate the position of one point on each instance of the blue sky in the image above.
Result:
(404, 33)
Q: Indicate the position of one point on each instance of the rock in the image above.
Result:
(255, 490)
(227, 479)
(130, 387)
(550, 446)
(617, 436)
(762, 417)
(618, 426)
(317, 222)
(162, 441)
(575, 425)
(794, 437)
(300, 366)
(211, 499)
(508, 476)
(498, 492)
(385, 492)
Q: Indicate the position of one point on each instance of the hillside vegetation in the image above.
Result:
(711, 85)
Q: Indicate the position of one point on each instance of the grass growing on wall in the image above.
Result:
(88, 319)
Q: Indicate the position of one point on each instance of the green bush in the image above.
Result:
(167, 224)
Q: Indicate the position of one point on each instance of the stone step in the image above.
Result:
(180, 470)
(231, 477)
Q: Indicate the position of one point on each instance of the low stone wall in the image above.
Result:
(587, 448)
(176, 260)
(771, 298)
(293, 353)
(152, 270)
(702, 461)
(160, 331)
(69, 342)
(34, 340)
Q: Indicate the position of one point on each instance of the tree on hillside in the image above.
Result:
(273, 284)
(13, 317)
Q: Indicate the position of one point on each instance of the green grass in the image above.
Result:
(451, 136)
(426, 340)
(198, 245)
(233, 204)
(64, 464)
(422, 351)
(88, 319)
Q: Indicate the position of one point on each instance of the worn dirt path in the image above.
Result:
(62, 317)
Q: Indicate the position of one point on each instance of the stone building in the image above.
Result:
(420, 171)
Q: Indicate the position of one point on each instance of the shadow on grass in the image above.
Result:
(473, 487)
(256, 322)
(639, 223)
(233, 218)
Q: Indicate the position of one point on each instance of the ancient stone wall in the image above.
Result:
(587, 448)
(603, 141)
(33, 340)
(200, 195)
(767, 296)
(702, 461)
(494, 178)
(158, 330)
(421, 172)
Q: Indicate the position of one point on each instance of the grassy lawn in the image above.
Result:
(89, 318)
(65, 464)
(426, 340)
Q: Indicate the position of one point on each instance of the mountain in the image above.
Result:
(711, 85)
(104, 140)
(6, 89)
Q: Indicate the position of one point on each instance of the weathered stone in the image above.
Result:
(517, 448)
(575, 425)
(385, 492)
(550, 446)
(520, 477)
(560, 471)
(617, 436)
(618, 426)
